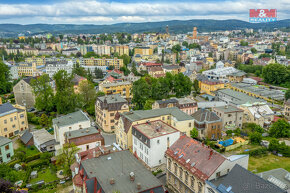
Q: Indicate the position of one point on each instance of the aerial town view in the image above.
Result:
(144, 96)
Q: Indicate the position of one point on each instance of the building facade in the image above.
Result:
(6, 150)
(232, 117)
(106, 108)
(13, 119)
(122, 88)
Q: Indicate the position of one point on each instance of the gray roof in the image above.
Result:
(243, 181)
(6, 109)
(81, 132)
(239, 98)
(4, 141)
(70, 119)
(278, 177)
(26, 137)
(42, 136)
(210, 104)
(228, 109)
(115, 98)
(204, 115)
(119, 165)
(145, 114)
(166, 101)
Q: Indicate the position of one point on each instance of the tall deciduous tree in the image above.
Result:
(5, 84)
(280, 128)
(87, 94)
(66, 157)
(99, 73)
(44, 93)
(65, 98)
(276, 74)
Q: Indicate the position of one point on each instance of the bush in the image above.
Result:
(258, 152)
(279, 147)
(256, 138)
(33, 157)
(12, 163)
(37, 163)
(229, 132)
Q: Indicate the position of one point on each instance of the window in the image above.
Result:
(175, 181)
(8, 155)
(160, 161)
(112, 121)
(88, 147)
(146, 150)
(111, 114)
(141, 146)
(192, 181)
(189, 124)
(175, 168)
(218, 174)
(5, 121)
(168, 117)
(135, 141)
(180, 173)
(169, 164)
(13, 126)
(180, 185)
(162, 118)
(5, 129)
(11, 119)
(7, 147)
(158, 141)
(186, 177)
(14, 117)
(199, 187)
(22, 122)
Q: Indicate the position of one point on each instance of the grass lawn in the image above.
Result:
(269, 162)
(32, 150)
(60, 188)
(46, 174)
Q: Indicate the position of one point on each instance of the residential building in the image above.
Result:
(43, 140)
(208, 124)
(209, 86)
(187, 105)
(172, 116)
(70, 51)
(23, 93)
(117, 63)
(232, 117)
(151, 140)
(40, 61)
(286, 110)
(27, 138)
(173, 69)
(29, 69)
(70, 122)
(121, 49)
(143, 51)
(85, 139)
(241, 180)
(13, 119)
(6, 149)
(122, 88)
(259, 113)
(130, 176)
(156, 72)
(210, 104)
(106, 108)
(190, 164)
(237, 76)
(220, 74)
(76, 81)
(235, 98)
(55, 66)
(279, 177)
(102, 50)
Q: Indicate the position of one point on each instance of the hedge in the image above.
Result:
(258, 152)
(37, 163)
(12, 163)
(33, 157)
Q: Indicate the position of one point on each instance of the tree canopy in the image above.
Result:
(5, 84)
(280, 128)
(276, 74)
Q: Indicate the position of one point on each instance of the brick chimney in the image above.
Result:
(138, 186)
(112, 181)
(132, 176)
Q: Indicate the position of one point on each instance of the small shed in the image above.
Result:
(33, 174)
(17, 167)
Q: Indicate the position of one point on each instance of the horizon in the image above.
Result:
(108, 12)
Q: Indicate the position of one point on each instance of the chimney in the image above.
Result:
(112, 181)
(210, 154)
(132, 176)
(138, 186)
(87, 130)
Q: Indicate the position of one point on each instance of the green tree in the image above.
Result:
(280, 128)
(182, 85)
(287, 94)
(254, 127)
(126, 59)
(65, 98)
(81, 71)
(194, 45)
(66, 157)
(87, 94)
(194, 133)
(185, 44)
(244, 43)
(99, 73)
(141, 93)
(43, 92)
(125, 70)
(148, 104)
(5, 84)
(254, 50)
(111, 67)
(255, 137)
(196, 87)
(100, 93)
(276, 74)
(43, 121)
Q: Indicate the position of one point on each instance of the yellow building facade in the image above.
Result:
(208, 87)
(13, 119)
(122, 88)
(143, 51)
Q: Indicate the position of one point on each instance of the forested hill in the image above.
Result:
(175, 26)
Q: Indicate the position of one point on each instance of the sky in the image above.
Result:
(120, 11)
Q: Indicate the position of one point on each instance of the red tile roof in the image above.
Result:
(151, 64)
(199, 159)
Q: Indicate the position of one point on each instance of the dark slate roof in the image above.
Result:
(71, 118)
(118, 165)
(243, 181)
(6, 109)
(197, 158)
(4, 141)
(112, 102)
(204, 115)
(167, 101)
(28, 79)
(26, 137)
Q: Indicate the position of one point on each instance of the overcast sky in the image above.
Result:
(118, 11)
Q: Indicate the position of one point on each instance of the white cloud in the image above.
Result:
(90, 11)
